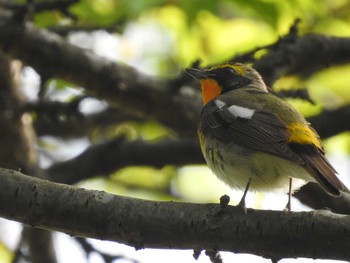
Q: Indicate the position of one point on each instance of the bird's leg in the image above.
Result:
(288, 207)
(242, 202)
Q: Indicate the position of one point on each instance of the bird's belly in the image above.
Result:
(235, 165)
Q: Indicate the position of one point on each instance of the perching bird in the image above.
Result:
(252, 139)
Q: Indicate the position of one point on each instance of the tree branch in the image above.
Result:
(331, 122)
(64, 31)
(315, 197)
(17, 140)
(24, 11)
(39, 6)
(303, 56)
(300, 55)
(136, 222)
(65, 120)
(118, 153)
(118, 84)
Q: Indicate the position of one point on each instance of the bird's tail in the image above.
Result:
(324, 173)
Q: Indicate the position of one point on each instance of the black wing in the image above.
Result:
(264, 131)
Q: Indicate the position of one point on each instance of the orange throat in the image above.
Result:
(210, 90)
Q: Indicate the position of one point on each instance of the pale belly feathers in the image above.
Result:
(234, 165)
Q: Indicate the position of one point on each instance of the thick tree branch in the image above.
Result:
(116, 83)
(39, 6)
(303, 56)
(315, 197)
(25, 11)
(65, 30)
(137, 223)
(331, 122)
(66, 121)
(300, 55)
(105, 158)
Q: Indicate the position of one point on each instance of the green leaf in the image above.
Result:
(267, 11)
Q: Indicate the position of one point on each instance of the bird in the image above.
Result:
(254, 140)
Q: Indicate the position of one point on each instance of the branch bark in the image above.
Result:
(331, 122)
(302, 56)
(118, 153)
(116, 83)
(315, 197)
(65, 121)
(17, 151)
(137, 223)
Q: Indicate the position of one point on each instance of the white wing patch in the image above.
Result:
(220, 104)
(235, 110)
(241, 112)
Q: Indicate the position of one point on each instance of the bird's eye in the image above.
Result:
(229, 70)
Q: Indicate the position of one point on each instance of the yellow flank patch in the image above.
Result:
(302, 134)
(210, 90)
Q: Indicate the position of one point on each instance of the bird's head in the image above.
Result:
(226, 77)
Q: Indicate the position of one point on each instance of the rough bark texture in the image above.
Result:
(118, 84)
(150, 224)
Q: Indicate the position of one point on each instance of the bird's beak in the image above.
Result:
(199, 74)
